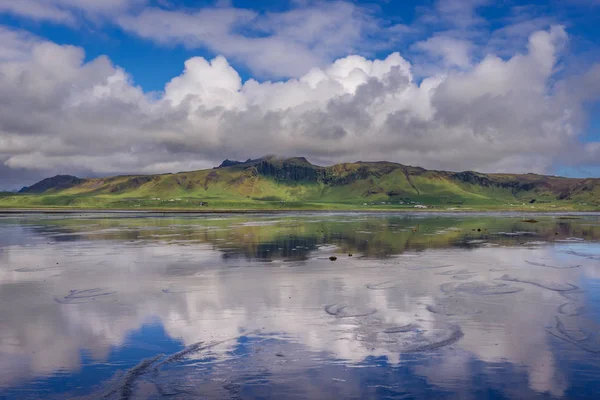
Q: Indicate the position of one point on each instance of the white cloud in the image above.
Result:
(216, 81)
(459, 14)
(276, 44)
(453, 52)
(59, 113)
(108, 6)
(64, 11)
(16, 45)
(36, 10)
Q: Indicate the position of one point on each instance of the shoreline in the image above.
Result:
(51, 210)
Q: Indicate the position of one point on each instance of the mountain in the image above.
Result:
(58, 182)
(271, 182)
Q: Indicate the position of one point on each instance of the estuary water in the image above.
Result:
(299, 306)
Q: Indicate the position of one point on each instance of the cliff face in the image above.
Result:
(290, 170)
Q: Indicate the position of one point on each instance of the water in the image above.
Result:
(142, 306)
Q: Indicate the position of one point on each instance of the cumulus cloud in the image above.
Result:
(61, 113)
(16, 45)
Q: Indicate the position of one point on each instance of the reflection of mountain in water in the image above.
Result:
(295, 238)
(288, 248)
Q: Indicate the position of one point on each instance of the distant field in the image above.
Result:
(19, 201)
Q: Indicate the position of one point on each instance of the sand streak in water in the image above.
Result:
(557, 287)
(537, 264)
(83, 296)
(343, 311)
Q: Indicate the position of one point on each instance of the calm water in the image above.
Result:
(251, 307)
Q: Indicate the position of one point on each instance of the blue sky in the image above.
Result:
(152, 65)
(97, 87)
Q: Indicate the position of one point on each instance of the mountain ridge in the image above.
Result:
(263, 181)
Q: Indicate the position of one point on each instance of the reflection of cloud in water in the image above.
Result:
(194, 294)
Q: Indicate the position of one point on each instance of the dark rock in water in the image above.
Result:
(349, 254)
(333, 258)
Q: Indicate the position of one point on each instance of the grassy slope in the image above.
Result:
(343, 186)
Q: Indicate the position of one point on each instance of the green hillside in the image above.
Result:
(271, 183)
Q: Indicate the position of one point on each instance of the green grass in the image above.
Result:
(372, 186)
(222, 203)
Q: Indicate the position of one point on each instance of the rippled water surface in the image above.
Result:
(146, 306)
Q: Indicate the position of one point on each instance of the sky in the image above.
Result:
(103, 87)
